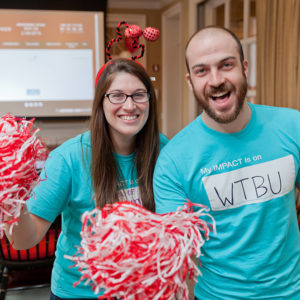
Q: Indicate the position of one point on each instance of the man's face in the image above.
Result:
(217, 78)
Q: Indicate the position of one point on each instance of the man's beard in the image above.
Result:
(225, 87)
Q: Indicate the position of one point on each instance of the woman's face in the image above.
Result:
(127, 119)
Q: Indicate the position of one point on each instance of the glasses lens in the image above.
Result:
(117, 97)
(140, 97)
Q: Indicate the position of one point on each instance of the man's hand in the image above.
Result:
(191, 283)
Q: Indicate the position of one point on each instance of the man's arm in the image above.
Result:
(169, 194)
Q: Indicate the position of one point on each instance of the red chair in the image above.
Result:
(40, 256)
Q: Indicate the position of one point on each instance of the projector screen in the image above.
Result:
(49, 61)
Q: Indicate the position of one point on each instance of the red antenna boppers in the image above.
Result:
(134, 32)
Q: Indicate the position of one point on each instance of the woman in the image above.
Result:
(114, 161)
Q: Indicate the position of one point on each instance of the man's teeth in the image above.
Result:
(220, 95)
(128, 117)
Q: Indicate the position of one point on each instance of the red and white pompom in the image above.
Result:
(20, 150)
(135, 254)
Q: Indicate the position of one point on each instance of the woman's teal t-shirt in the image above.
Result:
(66, 189)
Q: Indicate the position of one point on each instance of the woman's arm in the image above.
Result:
(28, 232)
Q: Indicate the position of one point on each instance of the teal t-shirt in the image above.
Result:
(66, 189)
(247, 179)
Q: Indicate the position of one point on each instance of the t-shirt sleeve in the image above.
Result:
(51, 195)
(298, 179)
(163, 140)
(168, 191)
(298, 139)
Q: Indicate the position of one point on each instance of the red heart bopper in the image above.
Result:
(151, 34)
(133, 31)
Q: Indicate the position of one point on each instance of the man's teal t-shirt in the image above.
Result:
(66, 189)
(247, 179)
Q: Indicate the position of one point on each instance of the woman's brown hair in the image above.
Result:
(104, 169)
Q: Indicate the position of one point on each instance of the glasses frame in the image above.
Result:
(131, 96)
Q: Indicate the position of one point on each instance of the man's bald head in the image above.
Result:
(210, 31)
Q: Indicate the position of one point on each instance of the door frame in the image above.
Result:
(173, 11)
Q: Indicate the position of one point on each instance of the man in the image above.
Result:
(242, 161)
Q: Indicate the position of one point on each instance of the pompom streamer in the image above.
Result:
(135, 254)
(20, 150)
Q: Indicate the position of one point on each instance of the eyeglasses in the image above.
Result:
(120, 98)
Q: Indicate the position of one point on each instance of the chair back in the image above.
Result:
(41, 254)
